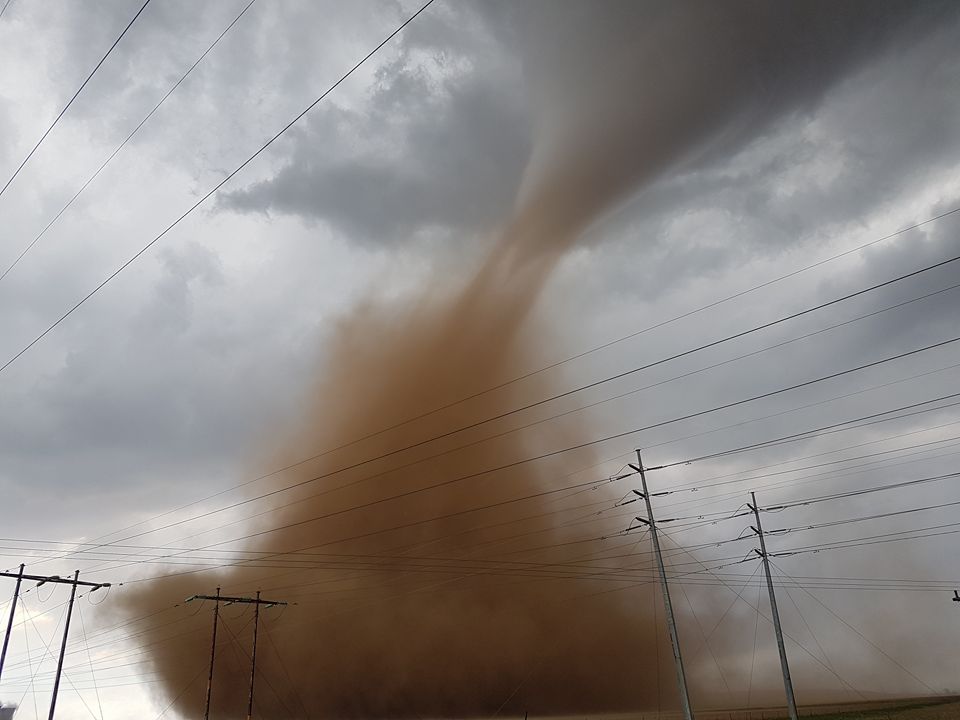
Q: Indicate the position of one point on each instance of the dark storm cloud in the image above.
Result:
(155, 394)
(441, 142)
(468, 151)
(467, 133)
(813, 176)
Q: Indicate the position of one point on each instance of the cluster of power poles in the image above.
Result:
(651, 525)
(41, 580)
(226, 600)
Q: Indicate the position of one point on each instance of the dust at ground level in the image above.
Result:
(947, 708)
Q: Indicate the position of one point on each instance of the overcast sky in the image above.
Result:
(162, 388)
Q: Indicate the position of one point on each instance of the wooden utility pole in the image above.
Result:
(213, 653)
(651, 523)
(41, 580)
(227, 600)
(253, 655)
(63, 644)
(784, 667)
(13, 610)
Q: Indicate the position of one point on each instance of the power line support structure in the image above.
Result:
(253, 655)
(13, 611)
(56, 579)
(227, 600)
(784, 666)
(651, 524)
(213, 653)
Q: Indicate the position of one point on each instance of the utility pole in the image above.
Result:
(253, 655)
(13, 610)
(213, 653)
(41, 580)
(650, 522)
(63, 644)
(227, 600)
(762, 552)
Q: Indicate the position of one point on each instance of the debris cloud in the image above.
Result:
(421, 601)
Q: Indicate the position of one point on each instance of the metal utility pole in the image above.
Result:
(13, 610)
(256, 602)
(787, 682)
(42, 579)
(671, 622)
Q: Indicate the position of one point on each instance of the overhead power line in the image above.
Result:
(129, 563)
(810, 434)
(577, 488)
(517, 463)
(621, 375)
(580, 487)
(865, 518)
(126, 140)
(898, 536)
(447, 434)
(741, 474)
(636, 333)
(856, 493)
(189, 211)
(75, 95)
(573, 410)
(302, 461)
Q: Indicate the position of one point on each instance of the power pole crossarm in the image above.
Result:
(787, 681)
(257, 602)
(43, 579)
(226, 599)
(74, 583)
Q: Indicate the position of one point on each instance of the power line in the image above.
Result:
(818, 431)
(126, 140)
(93, 677)
(181, 693)
(865, 518)
(88, 548)
(699, 485)
(711, 631)
(797, 408)
(523, 461)
(627, 337)
(338, 540)
(656, 384)
(898, 536)
(822, 477)
(856, 493)
(621, 375)
(756, 609)
(75, 95)
(212, 191)
(861, 635)
(809, 629)
(475, 529)
(300, 462)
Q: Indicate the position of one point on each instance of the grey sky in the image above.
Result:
(171, 382)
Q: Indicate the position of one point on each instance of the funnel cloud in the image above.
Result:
(420, 589)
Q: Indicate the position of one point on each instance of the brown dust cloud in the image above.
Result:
(419, 589)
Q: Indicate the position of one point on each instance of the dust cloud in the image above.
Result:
(420, 590)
